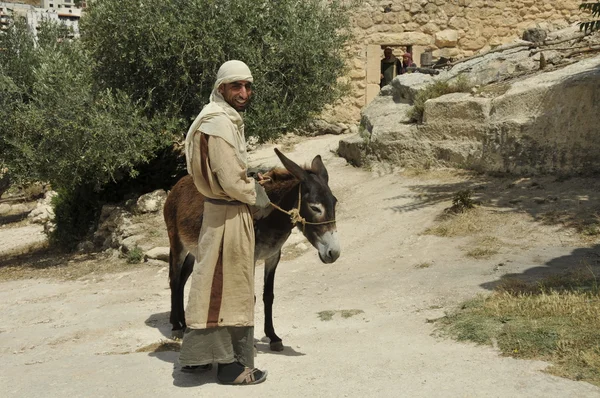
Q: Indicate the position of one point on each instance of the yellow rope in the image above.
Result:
(295, 216)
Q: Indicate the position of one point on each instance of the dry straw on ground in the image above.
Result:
(556, 320)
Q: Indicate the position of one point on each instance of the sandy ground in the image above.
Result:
(79, 338)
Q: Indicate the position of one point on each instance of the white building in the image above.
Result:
(63, 11)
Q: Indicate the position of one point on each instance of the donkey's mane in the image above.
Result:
(281, 181)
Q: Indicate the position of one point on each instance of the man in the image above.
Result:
(220, 310)
(390, 67)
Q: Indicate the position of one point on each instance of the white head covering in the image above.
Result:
(211, 116)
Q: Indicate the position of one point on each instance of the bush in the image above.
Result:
(168, 53)
(60, 127)
(434, 90)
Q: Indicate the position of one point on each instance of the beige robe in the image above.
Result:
(222, 288)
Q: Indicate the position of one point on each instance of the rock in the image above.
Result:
(535, 35)
(492, 67)
(457, 114)
(446, 38)
(405, 87)
(151, 202)
(5, 208)
(112, 221)
(158, 253)
(19, 208)
(43, 212)
(532, 128)
(251, 143)
(131, 243)
(354, 150)
(319, 127)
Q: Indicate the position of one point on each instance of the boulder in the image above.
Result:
(446, 38)
(405, 87)
(43, 212)
(535, 35)
(5, 208)
(547, 123)
(158, 253)
(354, 150)
(320, 127)
(151, 202)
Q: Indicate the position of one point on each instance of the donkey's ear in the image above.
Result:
(292, 167)
(319, 169)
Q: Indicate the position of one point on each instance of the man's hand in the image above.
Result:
(262, 179)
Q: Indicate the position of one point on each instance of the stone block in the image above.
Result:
(446, 38)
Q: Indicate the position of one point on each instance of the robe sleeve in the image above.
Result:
(230, 173)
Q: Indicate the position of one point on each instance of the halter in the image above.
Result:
(295, 216)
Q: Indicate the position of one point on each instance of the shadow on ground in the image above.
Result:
(566, 202)
(584, 261)
(161, 322)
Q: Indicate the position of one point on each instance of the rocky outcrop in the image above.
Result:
(547, 123)
(450, 29)
(516, 119)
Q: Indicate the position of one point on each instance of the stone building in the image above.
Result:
(448, 28)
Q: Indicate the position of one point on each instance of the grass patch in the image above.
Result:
(327, 315)
(555, 320)
(350, 313)
(424, 264)
(434, 90)
(135, 255)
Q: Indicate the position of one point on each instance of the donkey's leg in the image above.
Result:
(268, 296)
(186, 271)
(176, 265)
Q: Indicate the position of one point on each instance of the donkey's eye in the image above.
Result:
(316, 209)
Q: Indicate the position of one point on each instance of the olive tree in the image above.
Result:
(168, 53)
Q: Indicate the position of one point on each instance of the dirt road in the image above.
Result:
(79, 338)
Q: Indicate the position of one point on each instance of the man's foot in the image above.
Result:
(196, 368)
(236, 374)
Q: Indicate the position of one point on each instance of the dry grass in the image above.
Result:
(481, 220)
(161, 346)
(483, 247)
(555, 320)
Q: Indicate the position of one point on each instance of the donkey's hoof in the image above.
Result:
(276, 346)
(176, 334)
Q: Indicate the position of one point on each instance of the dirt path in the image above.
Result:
(78, 338)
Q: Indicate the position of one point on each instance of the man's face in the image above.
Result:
(387, 53)
(237, 94)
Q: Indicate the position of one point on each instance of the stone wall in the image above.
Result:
(449, 28)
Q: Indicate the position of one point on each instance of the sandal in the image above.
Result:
(196, 368)
(248, 377)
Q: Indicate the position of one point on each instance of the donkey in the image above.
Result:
(300, 197)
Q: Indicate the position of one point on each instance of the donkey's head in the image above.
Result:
(316, 206)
